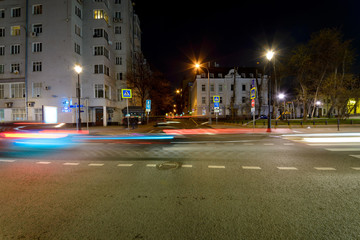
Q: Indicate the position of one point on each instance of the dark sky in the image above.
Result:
(234, 33)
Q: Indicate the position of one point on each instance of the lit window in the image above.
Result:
(15, 30)
(37, 9)
(101, 14)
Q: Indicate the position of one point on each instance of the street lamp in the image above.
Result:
(318, 103)
(269, 56)
(197, 66)
(282, 97)
(78, 69)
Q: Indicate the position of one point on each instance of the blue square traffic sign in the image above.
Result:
(126, 93)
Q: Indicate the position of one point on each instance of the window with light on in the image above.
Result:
(101, 14)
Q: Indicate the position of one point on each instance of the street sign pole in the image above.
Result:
(127, 113)
(254, 116)
(126, 93)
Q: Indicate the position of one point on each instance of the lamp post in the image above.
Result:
(197, 66)
(78, 69)
(269, 56)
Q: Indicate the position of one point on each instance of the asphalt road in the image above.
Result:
(244, 186)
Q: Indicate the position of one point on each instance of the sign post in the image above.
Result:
(253, 96)
(126, 93)
(216, 100)
(148, 109)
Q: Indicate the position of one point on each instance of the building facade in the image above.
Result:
(41, 41)
(233, 87)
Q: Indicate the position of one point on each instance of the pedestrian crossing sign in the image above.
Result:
(126, 93)
(216, 99)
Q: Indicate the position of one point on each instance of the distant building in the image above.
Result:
(233, 87)
(40, 43)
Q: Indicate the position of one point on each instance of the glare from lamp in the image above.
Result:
(269, 55)
(78, 69)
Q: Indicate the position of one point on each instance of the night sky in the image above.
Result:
(234, 33)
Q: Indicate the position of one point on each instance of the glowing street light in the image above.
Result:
(269, 55)
(282, 97)
(198, 66)
(78, 70)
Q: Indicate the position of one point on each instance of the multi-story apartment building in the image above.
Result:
(233, 87)
(41, 41)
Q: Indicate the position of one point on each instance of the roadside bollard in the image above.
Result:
(301, 123)
(338, 124)
(326, 122)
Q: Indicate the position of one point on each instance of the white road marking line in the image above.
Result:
(355, 156)
(268, 144)
(325, 168)
(287, 168)
(151, 165)
(71, 164)
(251, 167)
(333, 144)
(289, 144)
(343, 149)
(356, 168)
(43, 162)
(7, 161)
(213, 166)
(186, 166)
(96, 164)
(125, 165)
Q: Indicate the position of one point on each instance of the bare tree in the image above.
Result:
(139, 78)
